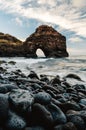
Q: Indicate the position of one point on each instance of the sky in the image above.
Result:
(20, 18)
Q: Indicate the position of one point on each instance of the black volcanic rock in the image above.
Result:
(52, 43)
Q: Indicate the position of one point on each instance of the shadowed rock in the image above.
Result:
(52, 43)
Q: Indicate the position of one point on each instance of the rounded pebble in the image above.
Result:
(43, 98)
(21, 99)
(15, 122)
(4, 107)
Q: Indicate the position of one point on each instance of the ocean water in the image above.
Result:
(49, 66)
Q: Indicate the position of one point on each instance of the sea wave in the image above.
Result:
(49, 66)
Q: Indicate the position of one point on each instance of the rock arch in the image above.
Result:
(52, 43)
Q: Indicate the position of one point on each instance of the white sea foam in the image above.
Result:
(49, 66)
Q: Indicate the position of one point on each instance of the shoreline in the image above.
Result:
(37, 102)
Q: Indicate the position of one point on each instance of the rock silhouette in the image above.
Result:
(46, 38)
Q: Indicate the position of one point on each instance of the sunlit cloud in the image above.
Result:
(79, 3)
(18, 21)
(75, 51)
(75, 40)
(67, 14)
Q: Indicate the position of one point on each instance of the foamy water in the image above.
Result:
(49, 66)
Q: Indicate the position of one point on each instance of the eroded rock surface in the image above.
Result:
(10, 45)
(51, 42)
(46, 38)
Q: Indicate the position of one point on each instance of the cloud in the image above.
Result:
(75, 40)
(47, 2)
(74, 51)
(18, 21)
(79, 3)
(65, 14)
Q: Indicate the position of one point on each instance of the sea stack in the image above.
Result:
(46, 38)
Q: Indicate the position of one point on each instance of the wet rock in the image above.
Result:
(56, 80)
(58, 116)
(36, 86)
(15, 122)
(44, 78)
(58, 127)
(33, 75)
(72, 112)
(69, 126)
(41, 116)
(79, 86)
(12, 62)
(2, 62)
(71, 90)
(51, 93)
(73, 76)
(2, 70)
(21, 99)
(78, 121)
(43, 98)
(4, 107)
(34, 128)
(4, 88)
(83, 115)
(83, 101)
(69, 105)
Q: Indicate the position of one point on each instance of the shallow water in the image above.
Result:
(49, 66)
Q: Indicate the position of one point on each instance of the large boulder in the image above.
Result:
(52, 43)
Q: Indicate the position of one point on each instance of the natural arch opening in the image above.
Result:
(40, 53)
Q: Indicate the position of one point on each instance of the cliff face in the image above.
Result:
(52, 43)
(9, 45)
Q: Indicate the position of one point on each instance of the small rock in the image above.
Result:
(69, 126)
(21, 99)
(2, 62)
(15, 122)
(83, 101)
(44, 78)
(33, 75)
(73, 76)
(56, 80)
(58, 127)
(83, 115)
(2, 70)
(4, 107)
(34, 128)
(78, 121)
(41, 116)
(4, 88)
(12, 62)
(69, 105)
(43, 98)
(58, 116)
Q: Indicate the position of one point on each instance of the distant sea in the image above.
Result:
(49, 66)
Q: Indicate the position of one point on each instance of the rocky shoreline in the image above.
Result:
(46, 38)
(36, 102)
